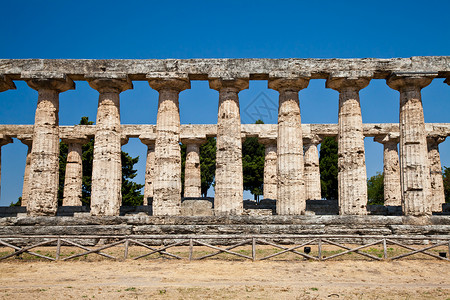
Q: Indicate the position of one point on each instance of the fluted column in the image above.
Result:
(437, 194)
(167, 183)
(73, 180)
(290, 181)
(107, 166)
(26, 176)
(43, 180)
(149, 170)
(270, 168)
(229, 187)
(352, 177)
(391, 169)
(312, 170)
(192, 172)
(414, 166)
(3, 141)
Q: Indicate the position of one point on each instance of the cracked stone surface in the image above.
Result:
(73, 180)
(312, 170)
(291, 184)
(149, 170)
(43, 179)
(391, 169)
(192, 174)
(437, 192)
(352, 177)
(106, 195)
(167, 183)
(414, 172)
(270, 168)
(229, 181)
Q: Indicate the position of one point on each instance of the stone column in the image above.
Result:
(149, 170)
(229, 187)
(391, 169)
(290, 180)
(270, 168)
(312, 170)
(167, 183)
(3, 141)
(192, 172)
(414, 166)
(26, 176)
(43, 180)
(73, 181)
(437, 194)
(107, 166)
(352, 177)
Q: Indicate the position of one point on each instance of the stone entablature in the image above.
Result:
(201, 131)
(419, 158)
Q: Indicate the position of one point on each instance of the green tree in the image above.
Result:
(131, 195)
(446, 178)
(328, 164)
(253, 165)
(375, 189)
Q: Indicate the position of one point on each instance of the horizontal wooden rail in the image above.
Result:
(170, 241)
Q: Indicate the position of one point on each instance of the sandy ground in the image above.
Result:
(221, 279)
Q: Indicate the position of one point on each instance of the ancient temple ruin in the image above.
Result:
(412, 175)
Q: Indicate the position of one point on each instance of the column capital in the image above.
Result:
(288, 84)
(26, 139)
(110, 85)
(341, 83)
(400, 81)
(57, 84)
(169, 81)
(390, 138)
(268, 141)
(6, 83)
(312, 139)
(447, 80)
(75, 140)
(197, 141)
(435, 139)
(235, 84)
(148, 141)
(4, 139)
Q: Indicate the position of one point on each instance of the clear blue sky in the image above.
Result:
(219, 29)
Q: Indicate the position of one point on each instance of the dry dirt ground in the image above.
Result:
(224, 279)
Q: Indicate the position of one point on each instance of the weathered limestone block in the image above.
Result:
(391, 169)
(43, 180)
(26, 175)
(270, 168)
(352, 177)
(291, 184)
(3, 141)
(192, 172)
(149, 170)
(312, 170)
(437, 193)
(229, 178)
(414, 172)
(167, 183)
(73, 180)
(106, 195)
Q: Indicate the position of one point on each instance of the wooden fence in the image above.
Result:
(216, 243)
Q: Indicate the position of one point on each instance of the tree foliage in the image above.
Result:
(375, 189)
(253, 165)
(131, 194)
(446, 178)
(208, 164)
(328, 164)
